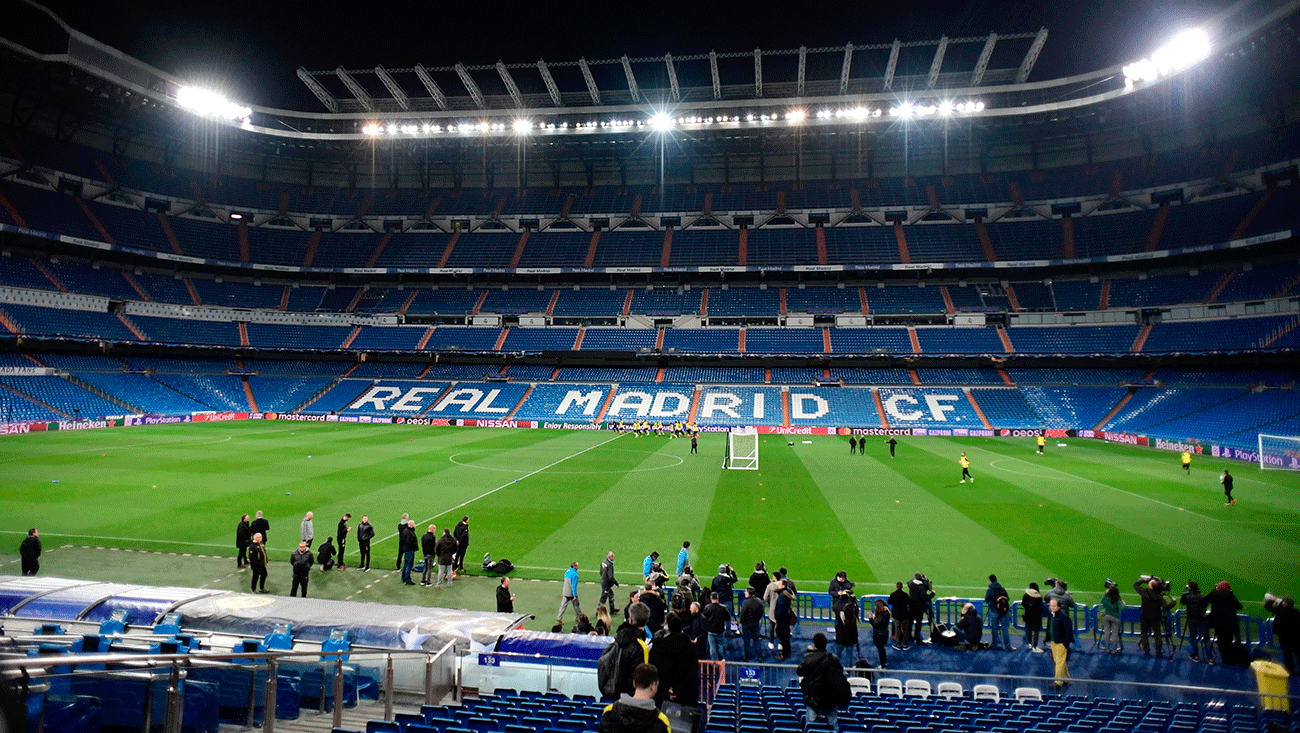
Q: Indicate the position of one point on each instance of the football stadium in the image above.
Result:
(972, 365)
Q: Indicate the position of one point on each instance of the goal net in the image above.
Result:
(742, 449)
(1279, 452)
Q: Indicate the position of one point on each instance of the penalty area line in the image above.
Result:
(490, 492)
(1063, 476)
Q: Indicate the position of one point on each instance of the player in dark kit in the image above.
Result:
(1226, 480)
(892, 443)
(853, 444)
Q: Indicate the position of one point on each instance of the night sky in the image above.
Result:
(252, 49)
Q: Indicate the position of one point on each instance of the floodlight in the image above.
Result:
(210, 104)
(945, 109)
(796, 115)
(1185, 49)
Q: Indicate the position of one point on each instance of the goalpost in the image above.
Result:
(742, 449)
(1279, 452)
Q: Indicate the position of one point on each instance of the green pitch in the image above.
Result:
(159, 505)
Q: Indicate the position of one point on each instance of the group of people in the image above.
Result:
(676, 429)
(251, 537)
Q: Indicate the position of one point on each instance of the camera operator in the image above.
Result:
(723, 584)
(1198, 623)
(687, 590)
(1227, 628)
(921, 593)
(1154, 604)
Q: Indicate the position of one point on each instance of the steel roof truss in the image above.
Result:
(591, 81)
(470, 86)
(393, 89)
(982, 64)
(510, 84)
(550, 83)
(431, 86)
(325, 97)
(355, 88)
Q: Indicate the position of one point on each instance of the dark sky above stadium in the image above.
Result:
(252, 49)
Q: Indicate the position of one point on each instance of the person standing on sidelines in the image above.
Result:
(446, 550)
(853, 444)
(407, 544)
(1062, 638)
(341, 536)
(505, 599)
(428, 548)
(964, 462)
(243, 538)
(401, 526)
(308, 529)
(569, 594)
(365, 533)
(608, 582)
(30, 552)
(301, 561)
(257, 561)
(461, 535)
(260, 526)
(1226, 480)
(684, 557)
(695, 442)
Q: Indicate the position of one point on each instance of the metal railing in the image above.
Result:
(434, 673)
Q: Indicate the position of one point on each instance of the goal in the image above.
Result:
(1279, 452)
(742, 449)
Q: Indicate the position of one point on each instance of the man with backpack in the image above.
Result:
(825, 688)
(998, 601)
(619, 661)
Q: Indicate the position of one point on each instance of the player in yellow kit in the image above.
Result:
(1042, 444)
(1187, 462)
(964, 462)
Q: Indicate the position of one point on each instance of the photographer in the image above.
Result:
(1154, 604)
(1227, 627)
(687, 590)
(845, 608)
(723, 584)
(1198, 621)
(971, 627)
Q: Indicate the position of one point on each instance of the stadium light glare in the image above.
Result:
(210, 104)
(1183, 51)
(796, 116)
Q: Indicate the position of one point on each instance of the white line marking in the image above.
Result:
(679, 462)
(508, 483)
(125, 446)
(119, 539)
(1068, 477)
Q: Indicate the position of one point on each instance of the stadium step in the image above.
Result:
(901, 238)
(1115, 410)
(742, 248)
(95, 390)
(313, 244)
(1249, 218)
(50, 276)
(666, 254)
(243, 241)
(30, 398)
(9, 325)
(1157, 227)
(1218, 288)
(1141, 339)
(975, 405)
(95, 222)
(880, 408)
(13, 213)
(590, 259)
(1067, 237)
(986, 242)
(379, 249)
(170, 235)
(446, 251)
